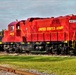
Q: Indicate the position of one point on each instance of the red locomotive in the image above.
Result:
(42, 35)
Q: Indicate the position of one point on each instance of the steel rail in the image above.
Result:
(19, 72)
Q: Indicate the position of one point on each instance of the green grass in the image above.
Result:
(49, 64)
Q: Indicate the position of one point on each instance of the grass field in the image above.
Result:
(54, 65)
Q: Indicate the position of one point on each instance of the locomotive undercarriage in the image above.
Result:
(53, 48)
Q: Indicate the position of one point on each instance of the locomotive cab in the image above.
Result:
(13, 34)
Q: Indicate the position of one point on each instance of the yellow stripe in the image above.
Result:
(0, 42)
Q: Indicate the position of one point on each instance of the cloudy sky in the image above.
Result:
(10, 10)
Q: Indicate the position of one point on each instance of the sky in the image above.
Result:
(10, 10)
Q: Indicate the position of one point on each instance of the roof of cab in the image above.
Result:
(13, 23)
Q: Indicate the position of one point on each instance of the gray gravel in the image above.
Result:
(42, 73)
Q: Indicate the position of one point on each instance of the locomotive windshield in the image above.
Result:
(11, 28)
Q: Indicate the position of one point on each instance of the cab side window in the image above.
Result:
(18, 27)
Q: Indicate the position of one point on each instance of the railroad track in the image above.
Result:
(19, 72)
